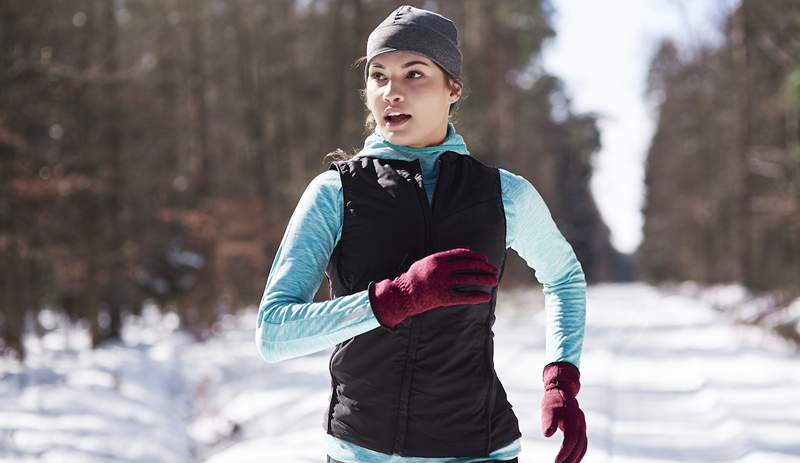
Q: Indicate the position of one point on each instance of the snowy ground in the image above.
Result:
(665, 378)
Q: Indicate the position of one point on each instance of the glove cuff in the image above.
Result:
(562, 375)
(389, 302)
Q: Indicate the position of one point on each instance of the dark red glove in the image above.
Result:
(431, 282)
(560, 410)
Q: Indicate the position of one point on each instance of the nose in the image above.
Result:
(391, 92)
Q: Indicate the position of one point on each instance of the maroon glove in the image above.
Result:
(560, 410)
(432, 282)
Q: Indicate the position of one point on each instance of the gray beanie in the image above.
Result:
(421, 31)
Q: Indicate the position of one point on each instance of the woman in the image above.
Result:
(412, 234)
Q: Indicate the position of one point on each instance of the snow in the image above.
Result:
(765, 310)
(665, 376)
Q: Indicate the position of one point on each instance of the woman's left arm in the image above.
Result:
(531, 231)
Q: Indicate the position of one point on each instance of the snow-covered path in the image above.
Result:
(664, 379)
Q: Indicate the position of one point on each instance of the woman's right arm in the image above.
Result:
(289, 323)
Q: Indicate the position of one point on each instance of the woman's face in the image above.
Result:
(402, 82)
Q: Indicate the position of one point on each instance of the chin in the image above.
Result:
(393, 137)
(399, 139)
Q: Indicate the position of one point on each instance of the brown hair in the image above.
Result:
(369, 120)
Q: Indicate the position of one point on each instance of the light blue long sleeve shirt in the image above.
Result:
(290, 324)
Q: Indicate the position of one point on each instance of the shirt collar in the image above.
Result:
(376, 145)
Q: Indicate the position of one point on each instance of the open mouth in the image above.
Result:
(394, 120)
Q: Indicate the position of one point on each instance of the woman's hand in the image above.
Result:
(560, 410)
(431, 282)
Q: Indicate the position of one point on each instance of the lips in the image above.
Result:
(394, 118)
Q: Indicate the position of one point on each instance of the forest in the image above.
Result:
(152, 151)
(723, 168)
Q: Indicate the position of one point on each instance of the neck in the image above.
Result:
(440, 137)
(421, 146)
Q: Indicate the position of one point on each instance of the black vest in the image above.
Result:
(426, 388)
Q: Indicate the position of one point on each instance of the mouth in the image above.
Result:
(393, 120)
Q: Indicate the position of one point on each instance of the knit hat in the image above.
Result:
(420, 31)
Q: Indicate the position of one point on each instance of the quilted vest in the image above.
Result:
(428, 387)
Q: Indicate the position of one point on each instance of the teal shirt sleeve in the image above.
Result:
(532, 232)
(289, 324)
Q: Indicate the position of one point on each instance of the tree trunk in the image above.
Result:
(744, 105)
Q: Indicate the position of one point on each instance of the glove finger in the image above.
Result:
(481, 279)
(468, 297)
(473, 266)
(585, 447)
(549, 421)
(549, 427)
(585, 437)
(580, 448)
(458, 254)
(568, 445)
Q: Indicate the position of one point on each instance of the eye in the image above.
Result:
(378, 76)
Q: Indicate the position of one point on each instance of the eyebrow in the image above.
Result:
(410, 63)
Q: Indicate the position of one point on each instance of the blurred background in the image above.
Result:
(152, 151)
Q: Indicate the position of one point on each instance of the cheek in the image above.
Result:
(436, 102)
(372, 101)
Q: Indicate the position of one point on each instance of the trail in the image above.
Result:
(665, 378)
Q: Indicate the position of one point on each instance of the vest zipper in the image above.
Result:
(401, 427)
(427, 209)
(413, 337)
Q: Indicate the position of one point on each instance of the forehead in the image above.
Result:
(398, 58)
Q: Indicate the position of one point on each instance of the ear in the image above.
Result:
(455, 93)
